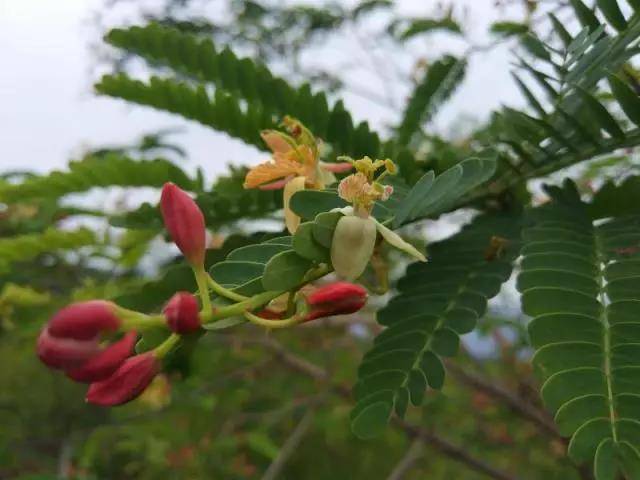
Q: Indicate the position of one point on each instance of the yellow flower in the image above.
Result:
(294, 166)
(355, 235)
(361, 190)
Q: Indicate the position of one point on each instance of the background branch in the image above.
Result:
(445, 447)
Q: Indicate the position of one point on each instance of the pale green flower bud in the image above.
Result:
(352, 245)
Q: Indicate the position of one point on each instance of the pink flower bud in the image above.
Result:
(84, 320)
(182, 313)
(103, 364)
(339, 298)
(126, 383)
(185, 222)
(64, 352)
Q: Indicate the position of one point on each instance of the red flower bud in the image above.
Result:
(84, 320)
(126, 383)
(339, 298)
(182, 313)
(185, 222)
(64, 352)
(103, 364)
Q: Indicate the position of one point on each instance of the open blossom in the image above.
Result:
(359, 191)
(71, 341)
(339, 298)
(294, 166)
(126, 383)
(185, 222)
(355, 235)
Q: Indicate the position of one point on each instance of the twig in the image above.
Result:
(408, 461)
(516, 404)
(64, 458)
(452, 451)
(289, 447)
(444, 446)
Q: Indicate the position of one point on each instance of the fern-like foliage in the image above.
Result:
(440, 81)
(567, 122)
(21, 248)
(248, 97)
(437, 302)
(220, 110)
(102, 171)
(580, 282)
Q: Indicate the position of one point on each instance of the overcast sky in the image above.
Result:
(48, 111)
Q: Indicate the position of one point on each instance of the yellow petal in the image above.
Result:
(270, 171)
(351, 188)
(276, 141)
(291, 219)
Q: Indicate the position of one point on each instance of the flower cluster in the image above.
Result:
(94, 342)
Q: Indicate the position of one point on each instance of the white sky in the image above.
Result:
(48, 111)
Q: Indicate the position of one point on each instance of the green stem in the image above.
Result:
(224, 292)
(165, 347)
(258, 300)
(203, 287)
(291, 303)
(274, 323)
(132, 320)
(240, 307)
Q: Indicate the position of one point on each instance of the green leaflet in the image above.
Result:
(581, 283)
(309, 203)
(279, 263)
(151, 295)
(585, 15)
(562, 33)
(616, 200)
(612, 13)
(243, 268)
(438, 301)
(285, 271)
(600, 114)
(305, 244)
(626, 97)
